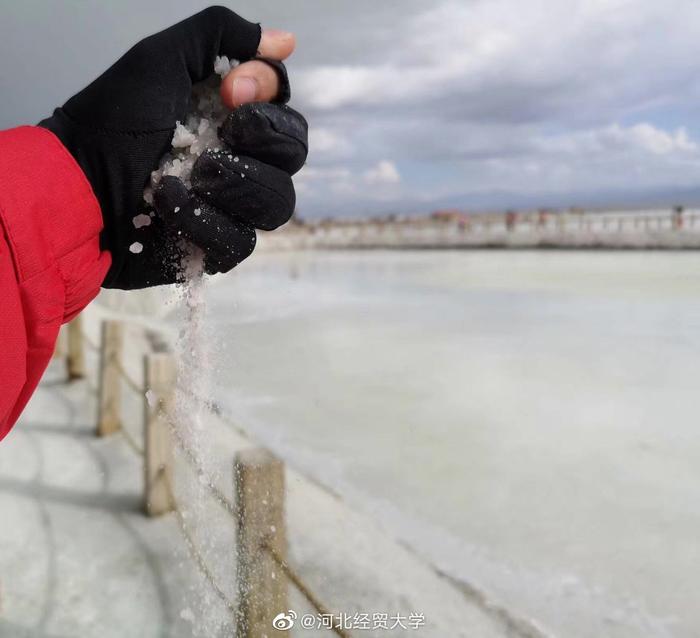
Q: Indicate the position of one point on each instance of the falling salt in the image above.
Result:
(151, 398)
(195, 134)
(186, 614)
(136, 247)
(177, 209)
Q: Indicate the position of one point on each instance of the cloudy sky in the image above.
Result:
(415, 105)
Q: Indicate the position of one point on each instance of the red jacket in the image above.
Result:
(51, 265)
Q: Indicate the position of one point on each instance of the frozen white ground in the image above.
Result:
(79, 560)
(527, 420)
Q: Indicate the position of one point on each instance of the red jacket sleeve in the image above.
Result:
(51, 265)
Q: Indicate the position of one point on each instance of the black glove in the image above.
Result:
(120, 126)
(237, 190)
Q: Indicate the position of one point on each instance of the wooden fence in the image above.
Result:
(263, 571)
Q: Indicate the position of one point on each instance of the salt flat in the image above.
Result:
(79, 559)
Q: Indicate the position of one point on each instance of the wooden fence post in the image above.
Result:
(261, 535)
(76, 356)
(159, 401)
(109, 399)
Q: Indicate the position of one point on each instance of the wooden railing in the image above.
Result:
(263, 570)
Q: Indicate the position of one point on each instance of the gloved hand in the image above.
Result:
(237, 190)
(120, 126)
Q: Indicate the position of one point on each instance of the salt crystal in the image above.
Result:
(150, 398)
(182, 138)
(223, 66)
(141, 220)
(197, 211)
(177, 209)
(136, 247)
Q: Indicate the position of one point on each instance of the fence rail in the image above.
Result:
(258, 511)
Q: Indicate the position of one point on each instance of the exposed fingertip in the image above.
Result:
(252, 81)
(226, 93)
(278, 34)
(243, 90)
(276, 44)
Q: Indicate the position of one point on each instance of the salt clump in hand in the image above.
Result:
(198, 133)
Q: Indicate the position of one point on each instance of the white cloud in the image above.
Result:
(544, 96)
(642, 137)
(606, 50)
(385, 172)
(328, 142)
(657, 141)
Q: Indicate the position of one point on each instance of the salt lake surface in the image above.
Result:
(527, 421)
